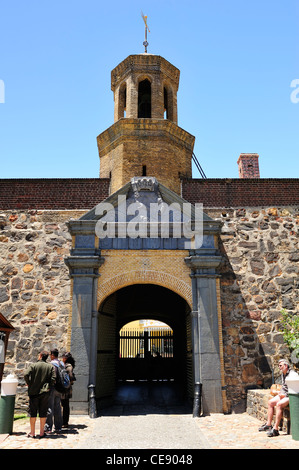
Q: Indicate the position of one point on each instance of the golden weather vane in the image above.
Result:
(145, 43)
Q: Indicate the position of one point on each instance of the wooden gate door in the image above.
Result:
(146, 355)
(106, 367)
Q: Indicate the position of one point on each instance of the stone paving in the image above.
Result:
(240, 431)
(153, 431)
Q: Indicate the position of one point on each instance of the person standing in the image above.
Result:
(39, 377)
(69, 364)
(54, 411)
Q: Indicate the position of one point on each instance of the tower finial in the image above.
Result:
(145, 43)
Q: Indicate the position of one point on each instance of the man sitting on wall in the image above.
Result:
(280, 401)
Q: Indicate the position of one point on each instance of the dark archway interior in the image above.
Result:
(170, 384)
(150, 301)
(144, 99)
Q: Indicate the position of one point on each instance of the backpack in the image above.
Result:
(63, 382)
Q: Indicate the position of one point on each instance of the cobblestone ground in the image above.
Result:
(152, 431)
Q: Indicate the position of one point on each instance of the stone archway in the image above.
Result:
(131, 277)
(100, 269)
(135, 302)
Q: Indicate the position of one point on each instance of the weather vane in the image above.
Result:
(145, 43)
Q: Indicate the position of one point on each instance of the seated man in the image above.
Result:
(280, 401)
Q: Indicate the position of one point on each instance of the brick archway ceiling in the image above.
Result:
(148, 301)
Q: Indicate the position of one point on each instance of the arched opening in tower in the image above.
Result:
(144, 99)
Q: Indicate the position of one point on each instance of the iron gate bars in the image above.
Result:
(144, 344)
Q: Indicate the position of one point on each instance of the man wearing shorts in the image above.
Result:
(39, 377)
(280, 401)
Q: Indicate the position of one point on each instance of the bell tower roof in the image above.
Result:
(144, 63)
(145, 139)
(145, 85)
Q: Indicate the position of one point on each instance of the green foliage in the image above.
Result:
(290, 330)
(20, 416)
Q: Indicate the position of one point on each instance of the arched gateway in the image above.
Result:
(144, 239)
(119, 274)
(146, 356)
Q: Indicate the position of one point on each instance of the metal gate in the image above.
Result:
(146, 355)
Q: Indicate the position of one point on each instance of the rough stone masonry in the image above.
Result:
(259, 277)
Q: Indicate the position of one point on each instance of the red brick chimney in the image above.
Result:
(248, 164)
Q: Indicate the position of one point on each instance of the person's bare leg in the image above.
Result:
(32, 426)
(279, 411)
(271, 405)
(42, 422)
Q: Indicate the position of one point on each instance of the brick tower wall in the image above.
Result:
(159, 145)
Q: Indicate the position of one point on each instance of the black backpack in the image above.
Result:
(63, 382)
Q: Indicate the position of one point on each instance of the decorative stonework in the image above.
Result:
(146, 183)
(158, 267)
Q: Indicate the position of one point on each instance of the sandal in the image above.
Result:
(42, 435)
(273, 433)
(30, 435)
(265, 427)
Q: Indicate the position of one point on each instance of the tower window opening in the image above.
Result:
(122, 104)
(144, 99)
(165, 104)
(144, 170)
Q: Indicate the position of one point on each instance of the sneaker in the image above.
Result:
(273, 433)
(265, 427)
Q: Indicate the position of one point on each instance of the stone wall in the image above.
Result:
(257, 403)
(34, 285)
(259, 277)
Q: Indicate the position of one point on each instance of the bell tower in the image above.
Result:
(145, 139)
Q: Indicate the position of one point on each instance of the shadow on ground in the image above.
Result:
(147, 397)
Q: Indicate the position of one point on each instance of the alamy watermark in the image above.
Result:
(295, 93)
(154, 220)
(2, 92)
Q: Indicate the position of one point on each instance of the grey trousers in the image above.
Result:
(54, 414)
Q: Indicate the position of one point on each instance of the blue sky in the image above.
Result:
(237, 61)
